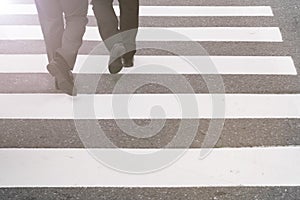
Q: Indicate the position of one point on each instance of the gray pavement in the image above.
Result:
(245, 193)
(63, 134)
(32, 133)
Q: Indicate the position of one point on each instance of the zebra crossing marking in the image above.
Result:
(257, 166)
(217, 34)
(163, 11)
(263, 65)
(237, 106)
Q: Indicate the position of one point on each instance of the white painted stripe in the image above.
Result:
(272, 65)
(271, 166)
(245, 34)
(60, 106)
(30, 9)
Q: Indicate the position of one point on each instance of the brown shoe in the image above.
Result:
(63, 78)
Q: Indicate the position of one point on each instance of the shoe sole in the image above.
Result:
(128, 66)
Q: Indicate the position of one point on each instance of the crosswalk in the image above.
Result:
(29, 9)
(47, 106)
(246, 34)
(258, 147)
(234, 171)
(259, 65)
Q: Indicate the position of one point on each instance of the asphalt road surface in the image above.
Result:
(251, 61)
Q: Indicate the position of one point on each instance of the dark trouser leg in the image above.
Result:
(51, 20)
(76, 20)
(107, 22)
(129, 20)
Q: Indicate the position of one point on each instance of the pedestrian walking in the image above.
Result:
(63, 24)
(109, 26)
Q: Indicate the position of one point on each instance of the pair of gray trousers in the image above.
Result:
(63, 25)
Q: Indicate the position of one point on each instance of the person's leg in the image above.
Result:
(51, 20)
(107, 22)
(76, 20)
(109, 31)
(129, 22)
(52, 23)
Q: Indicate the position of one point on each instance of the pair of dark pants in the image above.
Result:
(109, 25)
(63, 25)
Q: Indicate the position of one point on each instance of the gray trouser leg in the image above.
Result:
(61, 39)
(52, 23)
(76, 20)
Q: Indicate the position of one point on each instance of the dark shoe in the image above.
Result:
(127, 62)
(63, 78)
(56, 82)
(115, 63)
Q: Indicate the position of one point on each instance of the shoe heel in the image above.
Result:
(52, 69)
